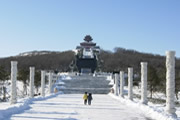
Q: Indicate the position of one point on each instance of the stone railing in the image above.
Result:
(119, 80)
(170, 83)
(50, 75)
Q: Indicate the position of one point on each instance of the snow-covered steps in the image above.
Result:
(82, 90)
(86, 83)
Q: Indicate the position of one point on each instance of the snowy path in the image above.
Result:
(70, 107)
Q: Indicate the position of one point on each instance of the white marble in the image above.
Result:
(121, 83)
(13, 99)
(144, 82)
(43, 73)
(130, 83)
(31, 91)
(116, 84)
(170, 82)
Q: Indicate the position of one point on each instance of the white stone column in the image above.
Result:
(116, 84)
(43, 73)
(121, 83)
(170, 82)
(111, 76)
(144, 82)
(130, 83)
(50, 82)
(13, 99)
(31, 92)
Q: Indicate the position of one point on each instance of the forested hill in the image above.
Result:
(41, 60)
(121, 58)
(118, 60)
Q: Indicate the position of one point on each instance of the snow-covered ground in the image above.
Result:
(153, 111)
(71, 107)
(6, 110)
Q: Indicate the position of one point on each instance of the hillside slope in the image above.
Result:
(41, 60)
(121, 58)
(110, 61)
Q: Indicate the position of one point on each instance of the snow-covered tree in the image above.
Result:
(37, 80)
(153, 80)
(4, 76)
(23, 75)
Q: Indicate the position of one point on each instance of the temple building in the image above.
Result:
(87, 55)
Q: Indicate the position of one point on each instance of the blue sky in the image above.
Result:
(151, 26)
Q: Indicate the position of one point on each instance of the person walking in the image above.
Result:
(89, 98)
(85, 97)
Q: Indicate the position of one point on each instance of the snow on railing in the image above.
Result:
(14, 88)
(170, 84)
(118, 81)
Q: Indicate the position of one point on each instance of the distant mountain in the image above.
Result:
(34, 53)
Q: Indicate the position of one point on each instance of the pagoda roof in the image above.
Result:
(88, 38)
(88, 44)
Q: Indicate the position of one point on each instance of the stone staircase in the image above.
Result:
(86, 83)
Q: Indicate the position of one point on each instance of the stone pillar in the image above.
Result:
(31, 92)
(170, 82)
(13, 99)
(111, 76)
(116, 84)
(43, 73)
(130, 83)
(121, 83)
(50, 82)
(144, 82)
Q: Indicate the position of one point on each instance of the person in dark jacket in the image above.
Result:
(89, 98)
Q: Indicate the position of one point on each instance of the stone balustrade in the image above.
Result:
(118, 85)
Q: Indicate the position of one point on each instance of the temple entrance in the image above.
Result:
(86, 70)
(87, 56)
